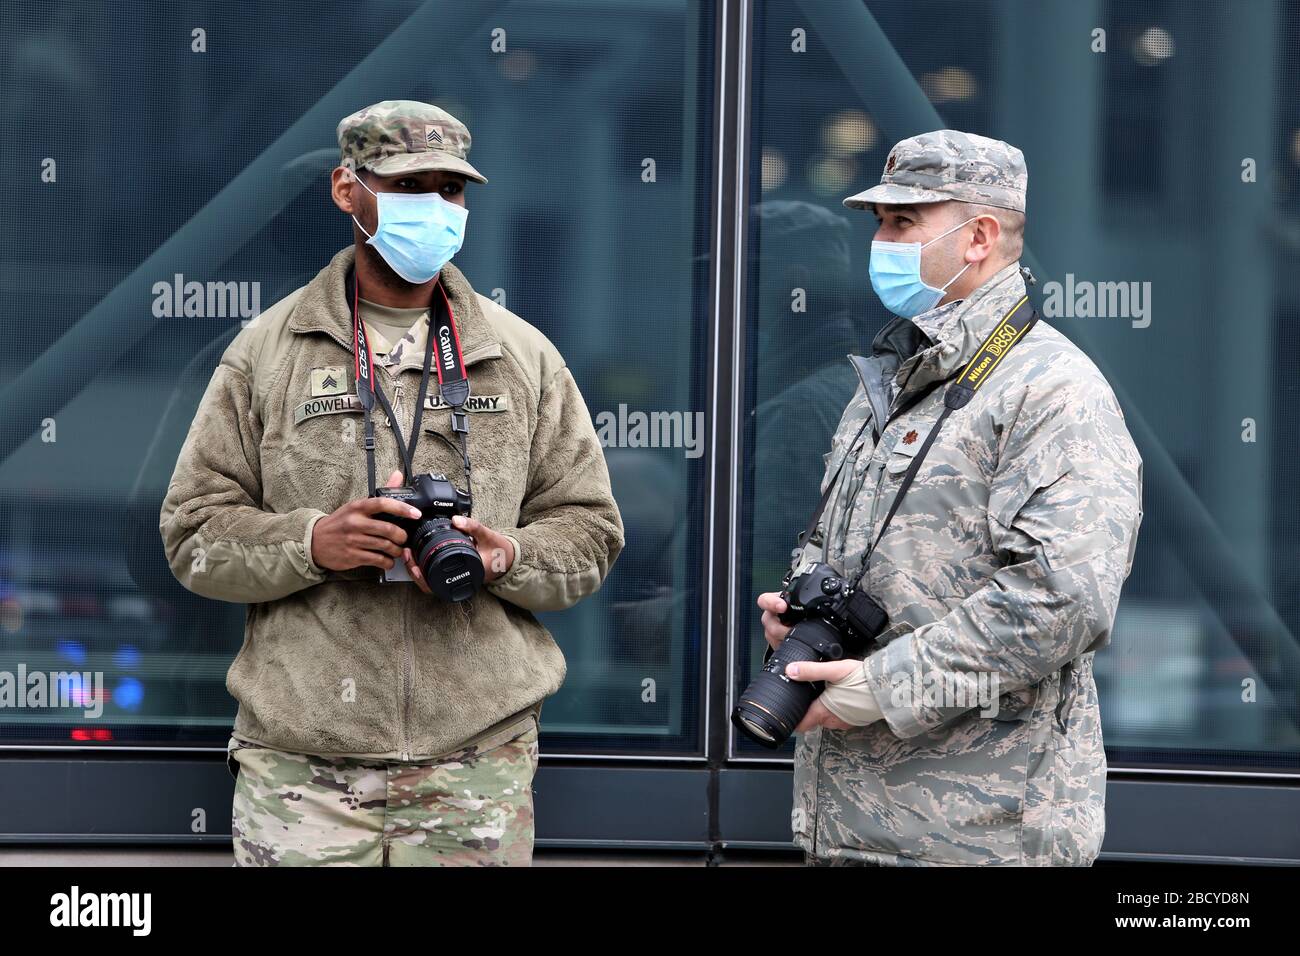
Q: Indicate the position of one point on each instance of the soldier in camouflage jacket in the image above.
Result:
(970, 733)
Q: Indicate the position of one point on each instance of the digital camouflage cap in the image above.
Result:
(948, 164)
(404, 136)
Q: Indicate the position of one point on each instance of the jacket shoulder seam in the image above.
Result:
(516, 333)
(278, 372)
(273, 322)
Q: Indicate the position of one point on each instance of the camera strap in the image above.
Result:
(451, 379)
(1013, 327)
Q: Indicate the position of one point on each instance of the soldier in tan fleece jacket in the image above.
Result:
(378, 724)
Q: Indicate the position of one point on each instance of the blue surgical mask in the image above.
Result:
(418, 233)
(896, 275)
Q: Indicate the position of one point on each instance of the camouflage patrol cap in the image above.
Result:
(948, 164)
(403, 136)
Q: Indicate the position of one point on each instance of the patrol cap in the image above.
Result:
(405, 136)
(948, 164)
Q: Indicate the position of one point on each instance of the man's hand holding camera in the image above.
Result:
(496, 550)
(832, 671)
(354, 536)
(773, 605)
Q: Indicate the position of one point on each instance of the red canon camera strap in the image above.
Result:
(451, 374)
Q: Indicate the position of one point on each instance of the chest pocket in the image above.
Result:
(905, 449)
(844, 444)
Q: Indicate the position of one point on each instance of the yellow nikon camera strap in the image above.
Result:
(1015, 325)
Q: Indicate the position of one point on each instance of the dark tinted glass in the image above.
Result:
(153, 145)
(1163, 145)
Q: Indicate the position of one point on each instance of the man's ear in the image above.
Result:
(985, 240)
(342, 182)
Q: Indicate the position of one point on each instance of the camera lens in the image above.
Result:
(448, 560)
(772, 705)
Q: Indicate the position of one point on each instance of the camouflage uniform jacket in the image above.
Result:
(336, 663)
(1004, 563)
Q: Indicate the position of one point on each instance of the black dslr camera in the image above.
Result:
(831, 620)
(445, 555)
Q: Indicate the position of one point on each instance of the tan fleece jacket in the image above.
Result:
(337, 663)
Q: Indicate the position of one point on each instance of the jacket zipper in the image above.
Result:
(408, 674)
(852, 490)
(408, 644)
(408, 662)
(849, 488)
(821, 743)
(817, 792)
(880, 478)
(875, 505)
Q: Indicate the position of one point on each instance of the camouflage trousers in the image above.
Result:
(470, 808)
(810, 860)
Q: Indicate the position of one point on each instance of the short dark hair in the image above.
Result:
(1011, 241)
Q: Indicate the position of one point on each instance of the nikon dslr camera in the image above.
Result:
(445, 555)
(831, 620)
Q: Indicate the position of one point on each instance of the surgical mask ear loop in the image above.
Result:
(944, 287)
(357, 179)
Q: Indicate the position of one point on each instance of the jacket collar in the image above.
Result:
(325, 306)
(957, 330)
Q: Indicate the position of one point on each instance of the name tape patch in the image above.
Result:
(476, 403)
(334, 404)
(326, 406)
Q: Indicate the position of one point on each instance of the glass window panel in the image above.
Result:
(1171, 161)
(593, 122)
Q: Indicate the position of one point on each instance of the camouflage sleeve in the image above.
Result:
(219, 542)
(570, 530)
(1064, 511)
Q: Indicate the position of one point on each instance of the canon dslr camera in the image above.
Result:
(831, 620)
(445, 555)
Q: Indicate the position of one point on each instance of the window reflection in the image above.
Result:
(1205, 660)
(213, 167)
